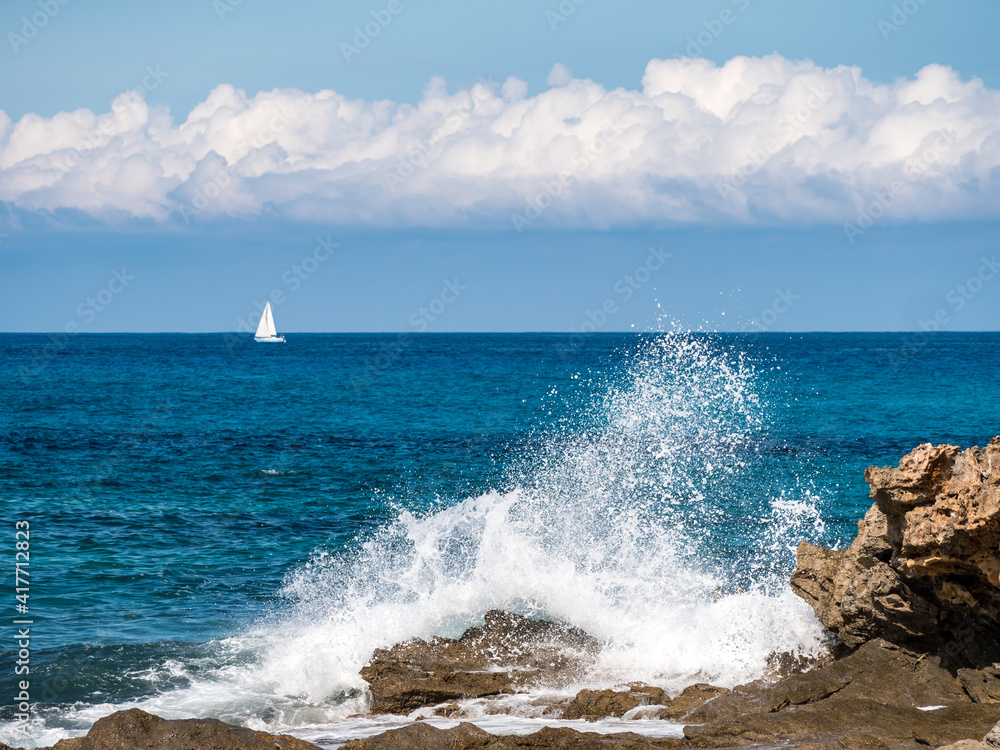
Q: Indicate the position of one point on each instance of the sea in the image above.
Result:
(219, 528)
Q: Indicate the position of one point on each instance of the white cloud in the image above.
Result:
(560, 75)
(756, 140)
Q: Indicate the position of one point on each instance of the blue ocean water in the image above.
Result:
(224, 528)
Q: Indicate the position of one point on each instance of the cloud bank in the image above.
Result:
(753, 141)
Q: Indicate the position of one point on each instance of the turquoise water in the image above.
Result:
(205, 512)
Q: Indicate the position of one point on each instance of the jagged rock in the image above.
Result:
(467, 736)
(651, 695)
(982, 685)
(423, 673)
(420, 735)
(924, 570)
(134, 729)
(690, 699)
(965, 745)
(902, 727)
(879, 672)
(875, 692)
(597, 704)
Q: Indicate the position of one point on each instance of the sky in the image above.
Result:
(409, 165)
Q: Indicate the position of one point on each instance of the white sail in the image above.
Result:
(266, 329)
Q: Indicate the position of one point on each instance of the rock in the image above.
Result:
(982, 685)
(509, 652)
(468, 736)
(651, 695)
(597, 704)
(872, 695)
(992, 738)
(964, 745)
(419, 735)
(924, 570)
(690, 699)
(134, 729)
(424, 673)
(878, 672)
(898, 726)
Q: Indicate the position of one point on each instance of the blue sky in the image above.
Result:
(844, 176)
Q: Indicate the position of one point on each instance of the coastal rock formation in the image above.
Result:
(597, 704)
(691, 698)
(135, 729)
(509, 652)
(592, 705)
(880, 692)
(924, 570)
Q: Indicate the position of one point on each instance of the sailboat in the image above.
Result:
(265, 330)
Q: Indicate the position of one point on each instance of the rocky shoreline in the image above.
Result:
(914, 604)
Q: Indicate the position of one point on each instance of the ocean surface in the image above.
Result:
(220, 528)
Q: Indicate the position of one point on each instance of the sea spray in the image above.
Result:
(611, 527)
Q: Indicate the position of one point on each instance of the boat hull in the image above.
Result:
(269, 340)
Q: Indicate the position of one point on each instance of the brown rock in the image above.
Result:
(419, 735)
(871, 696)
(878, 672)
(508, 652)
(651, 695)
(423, 673)
(982, 685)
(597, 704)
(923, 570)
(690, 699)
(135, 729)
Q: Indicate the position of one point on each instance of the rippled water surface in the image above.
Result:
(229, 530)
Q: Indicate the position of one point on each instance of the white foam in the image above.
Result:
(337, 733)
